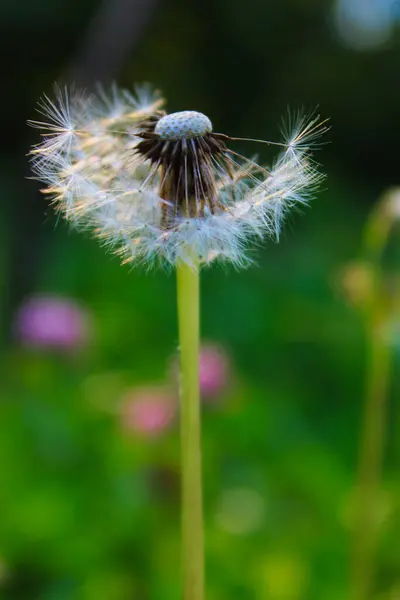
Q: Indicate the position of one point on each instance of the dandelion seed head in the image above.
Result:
(186, 124)
(165, 188)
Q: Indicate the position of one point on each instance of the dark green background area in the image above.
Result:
(87, 513)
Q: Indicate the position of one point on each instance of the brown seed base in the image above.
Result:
(188, 169)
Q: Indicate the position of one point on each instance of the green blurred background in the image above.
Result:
(89, 488)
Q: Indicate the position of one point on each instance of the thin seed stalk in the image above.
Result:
(192, 509)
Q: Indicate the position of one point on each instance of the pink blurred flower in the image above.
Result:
(148, 411)
(213, 370)
(51, 321)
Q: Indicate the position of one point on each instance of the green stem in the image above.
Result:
(366, 532)
(192, 511)
(373, 428)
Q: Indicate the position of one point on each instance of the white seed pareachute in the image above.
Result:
(166, 188)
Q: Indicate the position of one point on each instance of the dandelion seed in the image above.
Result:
(166, 187)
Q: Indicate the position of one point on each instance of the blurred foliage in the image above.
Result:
(90, 512)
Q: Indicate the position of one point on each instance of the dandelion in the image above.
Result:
(165, 188)
(159, 186)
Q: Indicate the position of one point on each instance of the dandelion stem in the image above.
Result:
(192, 513)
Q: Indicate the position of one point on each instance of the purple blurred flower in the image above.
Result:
(148, 411)
(213, 370)
(51, 321)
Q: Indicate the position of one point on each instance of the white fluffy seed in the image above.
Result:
(186, 124)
